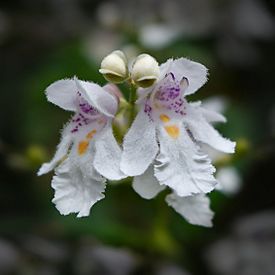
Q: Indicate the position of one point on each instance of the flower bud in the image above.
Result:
(114, 67)
(145, 70)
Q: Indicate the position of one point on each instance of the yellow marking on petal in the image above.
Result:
(82, 147)
(91, 134)
(173, 131)
(164, 118)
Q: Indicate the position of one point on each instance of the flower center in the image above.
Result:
(85, 115)
(85, 107)
(167, 101)
(169, 95)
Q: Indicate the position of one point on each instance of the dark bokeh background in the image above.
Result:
(44, 40)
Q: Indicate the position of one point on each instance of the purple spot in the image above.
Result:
(148, 109)
(74, 130)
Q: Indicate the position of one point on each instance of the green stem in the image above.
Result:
(132, 100)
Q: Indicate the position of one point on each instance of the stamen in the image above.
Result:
(184, 83)
(170, 74)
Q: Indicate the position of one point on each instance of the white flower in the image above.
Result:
(229, 181)
(166, 138)
(158, 35)
(88, 152)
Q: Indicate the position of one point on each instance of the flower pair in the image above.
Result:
(162, 149)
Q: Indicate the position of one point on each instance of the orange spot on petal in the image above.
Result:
(173, 131)
(82, 147)
(90, 135)
(164, 118)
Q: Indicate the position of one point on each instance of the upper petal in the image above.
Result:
(204, 132)
(98, 97)
(63, 94)
(182, 166)
(108, 155)
(146, 185)
(195, 72)
(139, 146)
(165, 67)
(195, 209)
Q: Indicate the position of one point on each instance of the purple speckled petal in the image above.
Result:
(85, 114)
(195, 72)
(168, 97)
(97, 97)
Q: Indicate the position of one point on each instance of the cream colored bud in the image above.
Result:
(114, 67)
(145, 70)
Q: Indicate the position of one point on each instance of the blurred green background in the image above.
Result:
(42, 41)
